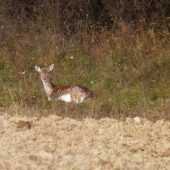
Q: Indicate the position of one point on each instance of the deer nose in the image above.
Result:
(45, 78)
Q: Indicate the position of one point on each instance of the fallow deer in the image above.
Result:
(74, 94)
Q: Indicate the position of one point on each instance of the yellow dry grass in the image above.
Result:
(63, 143)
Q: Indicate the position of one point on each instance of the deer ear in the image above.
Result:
(51, 67)
(37, 68)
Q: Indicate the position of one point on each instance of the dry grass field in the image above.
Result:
(62, 143)
(118, 49)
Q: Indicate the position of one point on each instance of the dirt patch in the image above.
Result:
(56, 143)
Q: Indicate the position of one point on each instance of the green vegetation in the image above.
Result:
(127, 67)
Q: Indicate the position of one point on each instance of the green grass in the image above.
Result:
(128, 78)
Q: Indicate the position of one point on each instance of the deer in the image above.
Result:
(72, 94)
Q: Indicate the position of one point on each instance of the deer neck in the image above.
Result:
(48, 88)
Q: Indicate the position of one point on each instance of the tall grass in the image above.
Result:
(128, 71)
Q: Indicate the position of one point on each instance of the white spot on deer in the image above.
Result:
(66, 98)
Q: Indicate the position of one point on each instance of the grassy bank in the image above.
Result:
(127, 69)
